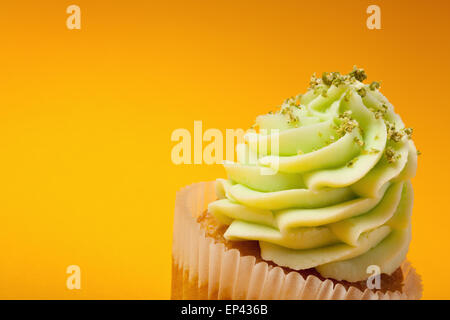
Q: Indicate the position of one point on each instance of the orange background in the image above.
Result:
(86, 117)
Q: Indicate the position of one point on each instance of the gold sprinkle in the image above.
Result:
(408, 132)
(348, 95)
(332, 78)
(327, 78)
(370, 151)
(359, 141)
(379, 111)
(361, 92)
(392, 133)
(374, 85)
(391, 156)
(352, 162)
(346, 114)
(373, 151)
(314, 81)
(358, 74)
(347, 124)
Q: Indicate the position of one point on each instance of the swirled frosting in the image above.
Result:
(338, 197)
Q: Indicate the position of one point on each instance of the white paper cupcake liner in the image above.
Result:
(203, 269)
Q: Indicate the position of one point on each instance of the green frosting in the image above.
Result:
(335, 193)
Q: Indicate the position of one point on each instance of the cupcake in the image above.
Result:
(317, 206)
